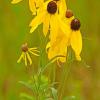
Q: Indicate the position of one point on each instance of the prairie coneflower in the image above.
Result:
(59, 45)
(33, 4)
(26, 54)
(75, 38)
(72, 38)
(49, 15)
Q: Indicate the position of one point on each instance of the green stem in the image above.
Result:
(37, 92)
(65, 77)
(54, 74)
(52, 60)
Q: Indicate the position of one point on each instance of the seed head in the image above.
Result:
(52, 7)
(75, 24)
(69, 13)
(24, 47)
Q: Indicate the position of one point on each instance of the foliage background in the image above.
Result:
(83, 82)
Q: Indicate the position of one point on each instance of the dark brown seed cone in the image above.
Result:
(52, 7)
(69, 13)
(24, 47)
(75, 24)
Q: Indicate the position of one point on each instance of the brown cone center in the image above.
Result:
(75, 24)
(24, 47)
(52, 7)
(69, 13)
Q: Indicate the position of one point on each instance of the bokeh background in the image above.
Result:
(83, 81)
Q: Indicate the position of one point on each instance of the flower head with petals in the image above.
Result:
(75, 37)
(26, 54)
(49, 15)
(72, 38)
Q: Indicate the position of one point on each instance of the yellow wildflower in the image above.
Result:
(25, 54)
(49, 15)
(33, 4)
(75, 38)
(72, 38)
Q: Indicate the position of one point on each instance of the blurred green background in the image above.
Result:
(83, 82)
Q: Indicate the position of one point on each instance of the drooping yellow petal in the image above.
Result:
(35, 48)
(33, 53)
(63, 52)
(76, 43)
(62, 8)
(36, 21)
(58, 47)
(39, 3)
(29, 58)
(25, 58)
(62, 45)
(32, 6)
(53, 28)
(46, 24)
(58, 51)
(20, 58)
(64, 27)
(52, 52)
(15, 1)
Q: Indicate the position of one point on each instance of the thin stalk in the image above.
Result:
(41, 64)
(65, 75)
(37, 90)
(54, 74)
(52, 60)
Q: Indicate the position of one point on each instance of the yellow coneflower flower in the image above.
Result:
(75, 38)
(33, 4)
(49, 15)
(72, 38)
(26, 54)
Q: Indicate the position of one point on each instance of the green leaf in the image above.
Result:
(26, 85)
(26, 96)
(54, 93)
